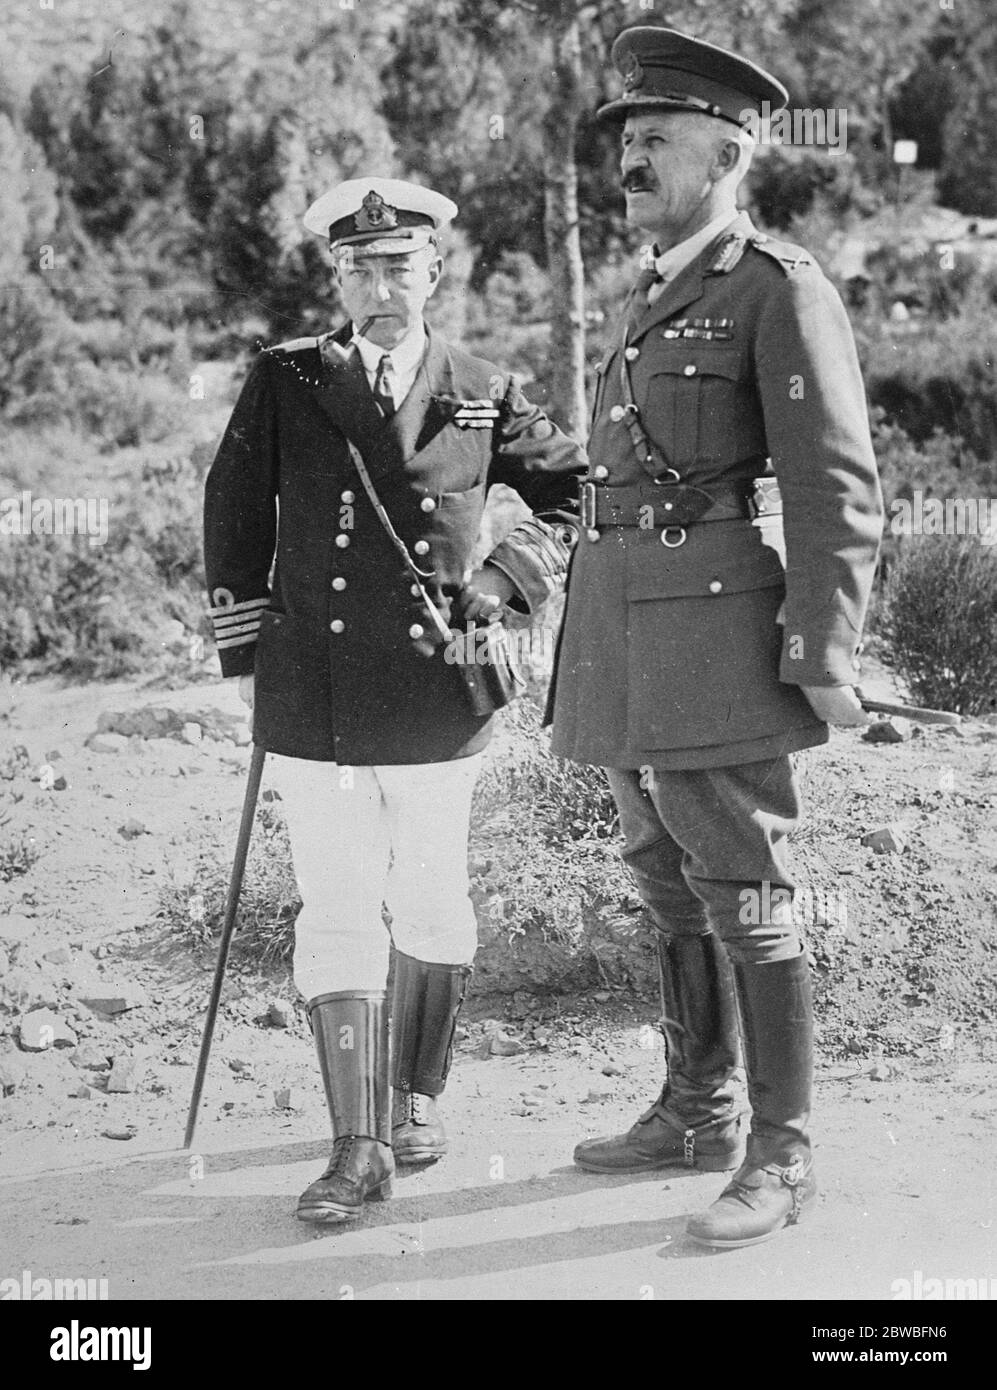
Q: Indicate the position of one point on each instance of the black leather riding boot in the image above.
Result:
(426, 999)
(693, 1121)
(776, 1180)
(351, 1038)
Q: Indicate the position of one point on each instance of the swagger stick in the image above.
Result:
(231, 906)
(912, 712)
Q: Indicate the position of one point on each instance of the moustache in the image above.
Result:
(637, 181)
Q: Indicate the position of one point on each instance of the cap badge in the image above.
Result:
(375, 215)
(633, 73)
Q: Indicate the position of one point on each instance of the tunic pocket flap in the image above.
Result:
(700, 361)
(664, 573)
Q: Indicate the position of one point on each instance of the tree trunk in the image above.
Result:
(564, 251)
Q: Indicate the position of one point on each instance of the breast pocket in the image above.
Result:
(694, 404)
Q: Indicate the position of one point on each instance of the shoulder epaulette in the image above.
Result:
(789, 256)
(728, 253)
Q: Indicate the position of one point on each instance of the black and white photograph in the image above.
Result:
(498, 666)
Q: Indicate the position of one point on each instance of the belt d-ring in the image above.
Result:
(669, 530)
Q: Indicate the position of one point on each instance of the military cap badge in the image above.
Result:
(375, 214)
(633, 73)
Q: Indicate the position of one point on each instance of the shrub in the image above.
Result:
(939, 376)
(940, 622)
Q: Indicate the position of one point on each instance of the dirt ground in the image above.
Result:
(95, 1184)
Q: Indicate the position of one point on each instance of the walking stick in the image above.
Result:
(231, 906)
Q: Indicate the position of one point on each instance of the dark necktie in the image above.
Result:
(645, 281)
(382, 391)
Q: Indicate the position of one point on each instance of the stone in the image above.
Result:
(118, 1133)
(82, 1092)
(240, 1066)
(42, 1029)
(116, 998)
(899, 313)
(280, 1014)
(107, 743)
(888, 839)
(502, 1045)
(60, 785)
(242, 736)
(91, 1057)
(596, 1094)
(61, 955)
(895, 730)
(191, 732)
(880, 1072)
(132, 829)
(126, 1073)
(612, 1069)
(285, 1099)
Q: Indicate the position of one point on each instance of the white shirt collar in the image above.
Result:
(671, 262)
(405, 356)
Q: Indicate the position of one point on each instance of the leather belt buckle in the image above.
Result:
(587, 505)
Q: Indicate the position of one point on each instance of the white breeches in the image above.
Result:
(366, 836)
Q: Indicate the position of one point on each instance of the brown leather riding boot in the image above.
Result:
(426, 999)
(351, 1038)
(693, 1123)
(775, 1183)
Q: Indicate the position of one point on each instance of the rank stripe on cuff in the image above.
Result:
(228, 609)
(251, 615)
(236, 629)
(237, 641)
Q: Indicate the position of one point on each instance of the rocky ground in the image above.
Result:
(111, 804)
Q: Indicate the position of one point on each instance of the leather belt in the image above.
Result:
(675, 505)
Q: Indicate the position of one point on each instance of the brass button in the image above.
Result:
(337, 625)
(427, 504)
(592, 534)
(342, 540)
(600, 471)
(631, 354)
(421, 547)
(669, 506)
(416, 631)
(347, 496)
(339, 584)
(715, 586)
(616, 414)
(690, 370)
(415, 591)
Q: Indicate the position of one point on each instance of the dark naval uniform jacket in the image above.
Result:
(308, 592)
(671, 653)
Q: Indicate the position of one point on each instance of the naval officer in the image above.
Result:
(341, 514)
